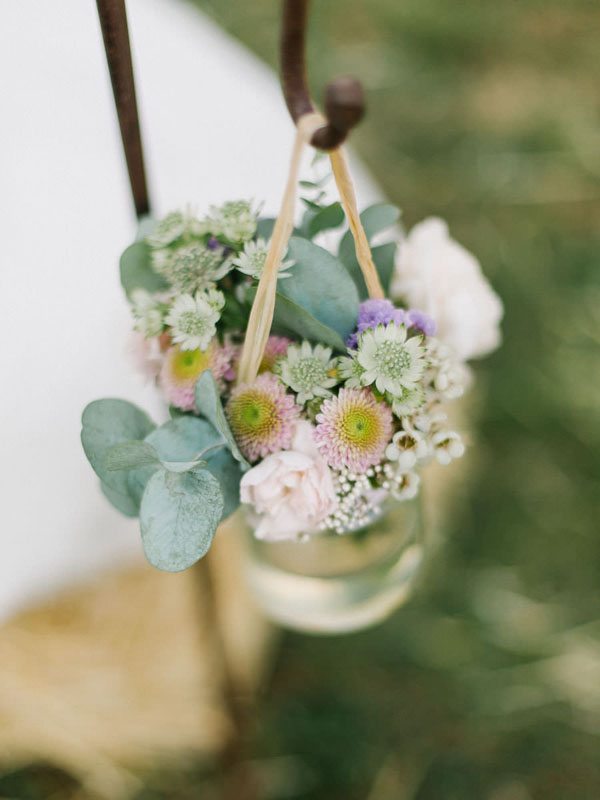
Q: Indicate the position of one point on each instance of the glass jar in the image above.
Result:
(338, 583)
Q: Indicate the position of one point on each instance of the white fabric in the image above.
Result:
(215, 128)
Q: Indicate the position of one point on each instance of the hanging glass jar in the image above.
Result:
(338, 583)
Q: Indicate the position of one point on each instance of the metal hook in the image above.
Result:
(344, 97)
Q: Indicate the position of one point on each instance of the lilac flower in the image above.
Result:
(372, 313)
(422, 321)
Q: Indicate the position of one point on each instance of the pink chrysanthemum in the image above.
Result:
(182, 368)
(276, 348)
(262, 417)
(353, 429)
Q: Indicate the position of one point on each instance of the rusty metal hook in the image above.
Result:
(344, 101)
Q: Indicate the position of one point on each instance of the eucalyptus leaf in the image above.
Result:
(375, 219)
(137, 480)
(183, 439)
(130, 455)
(106, 423)
(146, 226)
(228, 472)
(183, 466)
(136, 270)
(321, 285)
(127, 504)
(384, 258)
(264, 228)
(329, 217)
(208, 403)
(179, 515)
(292, 320)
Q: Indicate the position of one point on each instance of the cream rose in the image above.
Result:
(437, 275)
(290, 491)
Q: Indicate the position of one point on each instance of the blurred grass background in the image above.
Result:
(487, 684)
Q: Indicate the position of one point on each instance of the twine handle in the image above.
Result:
(344, 105)
(263, 307)
(343, 179)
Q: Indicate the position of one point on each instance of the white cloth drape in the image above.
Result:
(215, 128)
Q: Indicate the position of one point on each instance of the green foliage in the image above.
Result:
(321, 286)
(183, 439)
(128, 504)
(179, 515)
(131, 455)
(228, 471)
(136, 270)
(208, 404)
(292, 320)
(375, 219)
(264, 228)
(106, 423)
(317, 219)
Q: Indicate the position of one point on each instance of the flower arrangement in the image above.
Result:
(348, 405)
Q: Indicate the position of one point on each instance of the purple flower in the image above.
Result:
(421, 321)
(372, 313)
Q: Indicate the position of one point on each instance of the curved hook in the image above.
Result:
(344, 97)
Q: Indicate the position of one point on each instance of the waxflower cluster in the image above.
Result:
(329, 435)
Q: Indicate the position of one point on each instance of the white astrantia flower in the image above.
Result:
(192, 266)
(350, 371)
(252, 260)
(148, 313)
(216, 299)
(192, 321)
(390, 360)
(235, 220)
(307, 371)
(174, 226)
(408, 401)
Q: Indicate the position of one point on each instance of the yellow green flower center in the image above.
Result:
(253, 413)
(188, 364)
(359, 427)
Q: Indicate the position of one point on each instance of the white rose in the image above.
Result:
(437, 275)
(290, 491)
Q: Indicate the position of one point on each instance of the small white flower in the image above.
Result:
(148, 313)
(308, 372)
(350, 371)
(192, 321)
(447, 445)
(390, 360)
(252, 260)
(450, 377)
(406, 486)
(235, 221)
(407, 449)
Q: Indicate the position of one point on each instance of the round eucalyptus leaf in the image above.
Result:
(179, 515)
(106, 423)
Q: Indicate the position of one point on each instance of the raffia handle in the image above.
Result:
(343, 179)
(263, 307)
